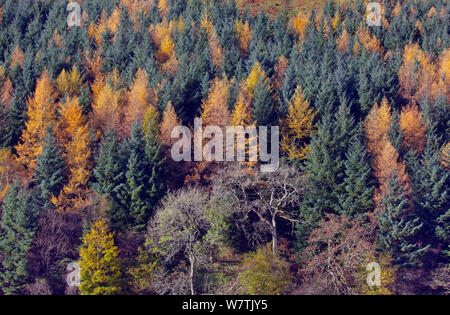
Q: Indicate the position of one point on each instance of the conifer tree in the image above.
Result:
(111, 164)
(397, 227)
(298, 127)
(358, 183)
(41, 114)
(19, 223)
(143, 177)
(99, 262)
(169, 121)
(73, 133)
(49, 173)
(324, 170)
(264, 112)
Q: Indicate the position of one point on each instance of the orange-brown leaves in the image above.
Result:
(417, 74)
(414, 129)
(6, 93)
(299, 24)
(280, 70)
(41, 114)
(138, 99)
(370, 42)
(17, 57)
(342, 41)
(73, 134)
(106, 108)
(215, 107)
(445, 157)
(377, 125)
(244, 35)
(169, 121)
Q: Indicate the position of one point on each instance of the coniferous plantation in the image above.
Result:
(93, 203)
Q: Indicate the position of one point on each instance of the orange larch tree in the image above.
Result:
(41, 114)
(377, 125)
(138, 99)
(73, 134)
(414, 128)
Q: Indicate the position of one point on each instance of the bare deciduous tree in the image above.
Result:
(271, 196)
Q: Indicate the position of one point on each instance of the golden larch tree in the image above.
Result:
(377, 125)
(106, 108)
(414, 128)
(69, 82)
(138, 100)
(99, 262)
(41, 114)
(297, 127)
(73, 134)
(244, 35)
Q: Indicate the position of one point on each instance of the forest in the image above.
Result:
(93, 203)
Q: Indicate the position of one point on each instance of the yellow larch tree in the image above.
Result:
(244, 35)
(377, 125)
(297, 127)
(41, 114)
(417, 75)
(138, 100)
(106, 107)
(73, 134)
(255, 75)
(414, 128)
(299, 24)
(99, 262)
(69, 82)
(215, 107)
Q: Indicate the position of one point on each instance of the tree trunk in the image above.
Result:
(191, 274)
(274, 235)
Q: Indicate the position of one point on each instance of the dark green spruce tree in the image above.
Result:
(143, 177)
(398, 227)
(325, 170)
(110, 178)
(19, 223)
(49, 174)
(264, 104)
(358, 182)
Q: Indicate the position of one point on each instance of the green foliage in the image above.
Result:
(19, 223)
(49, 171)
(265, 273)
(397, 226)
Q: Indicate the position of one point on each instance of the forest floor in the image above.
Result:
(273, 7)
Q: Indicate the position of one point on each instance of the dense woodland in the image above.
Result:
(86, 175)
